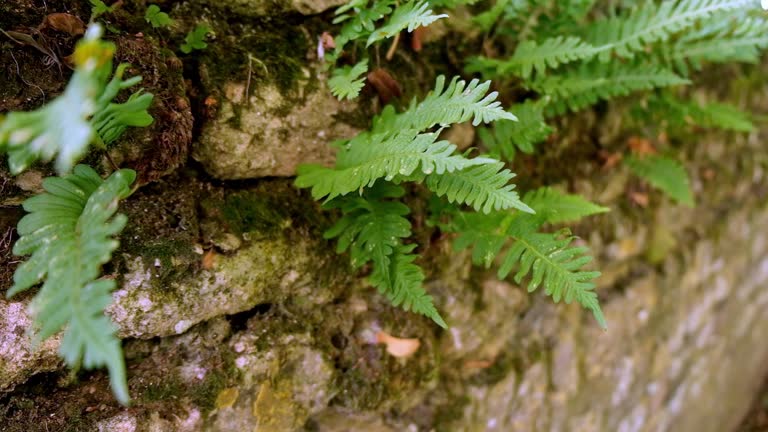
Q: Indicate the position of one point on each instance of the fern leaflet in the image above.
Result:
(651, 22)
(664, 173)
(347, 81)
(458, 103)
(551, 53)
(555, 264)
(588, 85)
(484, 187)
(386, 156)
(404, 285)
(506, 136)
(69, 233)
(66, 126)
(410, 15)
(554, 206)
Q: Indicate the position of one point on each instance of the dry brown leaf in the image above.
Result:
(386, 86)
(609, 159)
(398, 347)
(639, 198)
(417, 38)
(477, 364)
(64, 22)
(327, 40)
(209, 260)
(640, 146)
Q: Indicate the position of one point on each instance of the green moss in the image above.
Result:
(204, 395)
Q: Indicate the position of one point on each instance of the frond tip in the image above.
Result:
(69, 233)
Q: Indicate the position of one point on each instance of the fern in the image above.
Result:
(506, 137)
(651, 23)
(679, 113)
(69, 234)
(530, 56)
(591, 83)
(664, 173)
(484, 187)
(719, 42)
(553, 206)
(404, 287)
(371, 228)
(457, 103)
(408, 16)
(347, 81)
(65, 127)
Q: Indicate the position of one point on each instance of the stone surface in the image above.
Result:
(264, 7)
(257, 137)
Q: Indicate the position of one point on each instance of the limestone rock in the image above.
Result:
(269, 134)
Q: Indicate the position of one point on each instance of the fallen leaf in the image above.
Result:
(640, 146)
(417, 38)
(477, 364)
(386, 86)
(327, 40)
(398, 347)
(609, 159)
(209, 260)
(64, 22)
(639, 198)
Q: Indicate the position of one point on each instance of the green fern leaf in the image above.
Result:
(664, 173)
(551, 53)
(739, 41)
(385, 156)
(506, 137)
(403, 286)
(651, 23)
(679, 113)
(65, 127)
(554, 206)
(556, 266)
(371, 227)
(69, 234)
(484, 187)
(409, 15)
(347, 81)
(593, 82)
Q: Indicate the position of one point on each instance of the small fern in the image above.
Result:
(69, 234)
(397, 149)
(664, 173)
(650, 23)
(506, 137)
(347, 81)
(592, 83)
(407, 16)
(554, 263)
(65, 127)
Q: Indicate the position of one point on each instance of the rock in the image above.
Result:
(270, 134)
(18, 360)
(265, 7)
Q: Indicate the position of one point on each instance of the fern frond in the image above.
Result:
(385, 156)
(593, 82)
(65, 127)
(371, 228)
(347, 81)
(69, 233)
(738, 41)
(407, 16)
(554, 206)
(506, 137)
(551, 53)
(484, 187)
(664, 173)
(652, 22)
(555, 264)
(680, 113)
(459, 102)
(403, 287)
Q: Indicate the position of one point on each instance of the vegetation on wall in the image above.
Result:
(549, 58)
